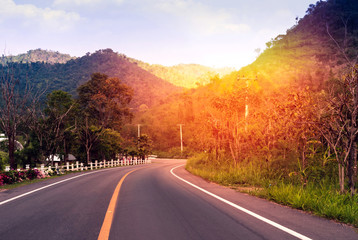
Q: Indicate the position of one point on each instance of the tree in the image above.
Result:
(58, 121)
(103, 103)
(339, 124)
(144, 146)
(106, 100)
(340, 120)
(17, 105)
(110, 144)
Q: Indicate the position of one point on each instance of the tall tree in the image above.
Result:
(144, 146)
(17, 103)
(59, 120)
(339, 124)
(104, 104)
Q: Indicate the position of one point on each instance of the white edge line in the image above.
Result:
(285, 229)
(50, 185)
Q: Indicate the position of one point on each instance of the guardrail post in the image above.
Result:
(67, 166)
(27, 166)
(104, 163)
(81, 166)
(42, 167)
(77, 166)
(73, 167)
(91, 164)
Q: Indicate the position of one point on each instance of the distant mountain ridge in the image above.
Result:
(148, 89)
(38, 55)
(182, 75)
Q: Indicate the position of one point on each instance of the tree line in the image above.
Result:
(88, 126)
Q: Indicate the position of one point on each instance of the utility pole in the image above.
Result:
(181, 138)
(246, 97)
(138, 135)
(139, 130)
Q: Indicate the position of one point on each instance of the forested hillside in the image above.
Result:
(319, 46)
(148, 89)
(38, 55)
(184, 75)
(291, 113)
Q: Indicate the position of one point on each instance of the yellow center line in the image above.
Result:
(107, 223)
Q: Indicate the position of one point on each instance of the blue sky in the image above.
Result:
(215, 33)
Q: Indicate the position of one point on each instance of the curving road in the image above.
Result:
(153, 203)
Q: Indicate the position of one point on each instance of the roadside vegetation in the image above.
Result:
(14, 178)
(88, 126)
(320, 196)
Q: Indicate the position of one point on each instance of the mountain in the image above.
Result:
(318, 47)
(38, 55)
(184, 75)
(148, 89)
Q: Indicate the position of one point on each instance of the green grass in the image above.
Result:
(246, 174)
(322, 199)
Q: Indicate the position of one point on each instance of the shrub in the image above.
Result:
(13, 176)
(3, 159)
(33, 174)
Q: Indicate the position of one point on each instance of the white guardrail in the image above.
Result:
(92, 165)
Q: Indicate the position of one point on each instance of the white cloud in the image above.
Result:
(202, 17)
(29, 14)
(70, 4)
(76, 2)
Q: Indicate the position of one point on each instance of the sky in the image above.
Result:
(215, 33)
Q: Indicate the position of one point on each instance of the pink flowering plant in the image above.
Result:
(14, 176)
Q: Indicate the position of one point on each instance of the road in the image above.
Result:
(153, 203)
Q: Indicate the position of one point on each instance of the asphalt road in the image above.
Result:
(153, 204)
